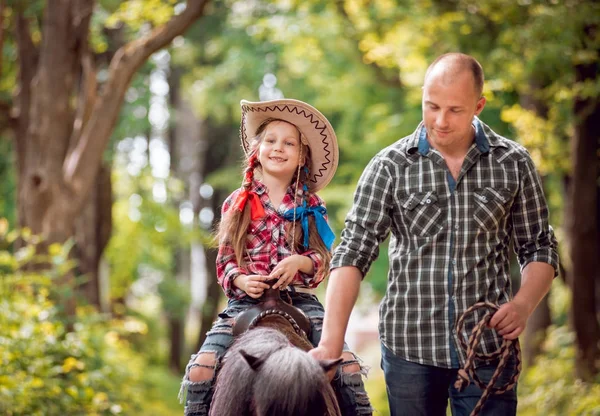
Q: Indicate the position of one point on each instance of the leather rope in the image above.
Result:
(286, 315)
(507, 347)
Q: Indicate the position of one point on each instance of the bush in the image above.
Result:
(46, 369)
(550, 388)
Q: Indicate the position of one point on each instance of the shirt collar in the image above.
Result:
(418, 141)
(259, 188)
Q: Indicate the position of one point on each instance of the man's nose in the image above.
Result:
(442, 119)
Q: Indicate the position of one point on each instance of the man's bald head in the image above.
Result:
(449, 66)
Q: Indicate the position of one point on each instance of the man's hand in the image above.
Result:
(509, 321)
(511, 318)
(322, 353)
(253, 284)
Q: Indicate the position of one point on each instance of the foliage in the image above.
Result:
(376, 390)
(8, 185)
(136, 13)
(154, 226)
(47, 370)
(550, 387)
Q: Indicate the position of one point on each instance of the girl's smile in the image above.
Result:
(279, 151)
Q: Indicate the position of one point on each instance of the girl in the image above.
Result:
(275, 228)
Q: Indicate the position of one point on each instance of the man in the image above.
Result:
(454, 194)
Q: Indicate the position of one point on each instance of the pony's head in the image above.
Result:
(264, 375)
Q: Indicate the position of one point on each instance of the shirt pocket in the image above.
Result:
(492, 205)
(258, 236)
(422, 211)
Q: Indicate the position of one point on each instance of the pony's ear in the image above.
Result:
(327, 365)
(253, 362)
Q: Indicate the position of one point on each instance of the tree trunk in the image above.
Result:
(64, 121)
(176, 341)
(176, 136)
(210, 308)
(583, 222)
(93, 228)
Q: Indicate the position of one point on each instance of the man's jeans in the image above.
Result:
(414, 389)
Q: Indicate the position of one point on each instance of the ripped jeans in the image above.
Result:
(349, 387)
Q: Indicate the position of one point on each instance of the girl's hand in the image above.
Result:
(253, 284)
(287, 269)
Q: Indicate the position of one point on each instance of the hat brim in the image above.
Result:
(313, 125)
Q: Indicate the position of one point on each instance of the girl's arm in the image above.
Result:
(228, 271)
(227, 267)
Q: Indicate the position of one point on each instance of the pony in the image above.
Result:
(268, 372)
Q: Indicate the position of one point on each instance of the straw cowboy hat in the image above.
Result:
(312, 125)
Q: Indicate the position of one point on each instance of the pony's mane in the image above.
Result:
(284, 381)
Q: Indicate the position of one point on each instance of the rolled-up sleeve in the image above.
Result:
(533, 236)
(310, 280)
(368, 222)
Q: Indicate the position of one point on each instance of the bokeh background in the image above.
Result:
(119, 141)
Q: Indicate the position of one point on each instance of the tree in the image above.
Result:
(584, 218)
(64, 111)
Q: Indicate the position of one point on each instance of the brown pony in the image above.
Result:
(267, 372)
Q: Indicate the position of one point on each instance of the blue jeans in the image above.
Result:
(414, 389)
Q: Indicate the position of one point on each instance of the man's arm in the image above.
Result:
(367, 225)
(342, 292)
(511, 318)
(536, 248)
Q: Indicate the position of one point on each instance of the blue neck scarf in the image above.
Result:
(319, 213)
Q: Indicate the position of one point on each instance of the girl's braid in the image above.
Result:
(249, 172)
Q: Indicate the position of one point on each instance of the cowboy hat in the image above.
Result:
(312, 125)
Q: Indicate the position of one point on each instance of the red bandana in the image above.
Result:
(256, 209)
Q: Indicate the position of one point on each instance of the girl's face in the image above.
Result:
(279, 151)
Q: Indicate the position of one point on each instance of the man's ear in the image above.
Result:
(480, 104)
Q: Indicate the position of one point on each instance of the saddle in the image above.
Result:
(271, 304)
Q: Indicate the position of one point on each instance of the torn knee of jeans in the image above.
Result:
(201, 367)
(352, 364)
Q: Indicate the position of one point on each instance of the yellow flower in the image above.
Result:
(70, 363)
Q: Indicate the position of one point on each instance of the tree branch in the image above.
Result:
(81, 165)
(86, 99)
(382, 77)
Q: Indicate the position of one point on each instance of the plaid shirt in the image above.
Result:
(450, 239)
(266, 243)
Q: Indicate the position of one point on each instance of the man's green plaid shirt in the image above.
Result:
(450, 240)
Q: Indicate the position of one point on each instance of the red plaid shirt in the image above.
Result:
(266, 243)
